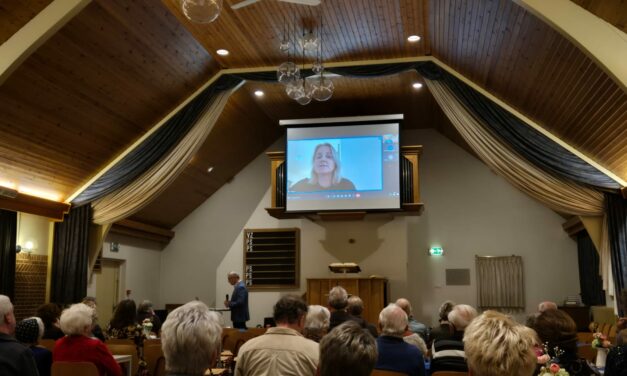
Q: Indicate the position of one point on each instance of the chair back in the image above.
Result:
(449, 373)
(160, 367)
(382, 372)
(152, 353)
(125, 341)
(47, 343)
(125, 349)
(74, 369)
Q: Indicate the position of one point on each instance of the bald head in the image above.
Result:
(393, 321)
(405, 306)
(547, 306)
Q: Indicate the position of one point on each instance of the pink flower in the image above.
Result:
(554, 368)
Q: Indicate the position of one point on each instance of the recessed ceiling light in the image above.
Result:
(259, 93)
(416, 85)
(413, 38)
(222, 52)
(210, 169)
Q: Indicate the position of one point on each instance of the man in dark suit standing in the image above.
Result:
(239, 302)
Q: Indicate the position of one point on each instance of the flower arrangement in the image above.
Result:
(147, 326)
(551, 365)
(600, 341)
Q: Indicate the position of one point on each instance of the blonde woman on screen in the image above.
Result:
(325, 172)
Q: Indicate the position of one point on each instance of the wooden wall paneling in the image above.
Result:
(15, 14)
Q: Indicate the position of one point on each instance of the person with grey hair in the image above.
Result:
(448, 354)
(15, 358)
(316, 322)
(191, 337)
(338, 302)
(394, 353)
(282, 350)
(238, 304)
(145, 312)
(29, 331)
(347, 350)
(78, 346)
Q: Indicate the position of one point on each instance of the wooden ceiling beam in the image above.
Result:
(598, 39)
(35, 33)
(20, 202)
(143, 231)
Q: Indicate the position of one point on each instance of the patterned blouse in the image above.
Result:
(136, 333)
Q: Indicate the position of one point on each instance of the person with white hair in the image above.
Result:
(447, 354)
(414, 325)
(238, 304)
(394, 353)
(338, 302)
(15, 358)
(29, 331)
(78, 346)
(190, 338)
(316, 322)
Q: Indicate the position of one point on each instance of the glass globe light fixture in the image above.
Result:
(287, 72)
(201, 11)
(304, 100)
(317, 67)
(285, 45)
(294, 90)
(309, 42)
(322, 88)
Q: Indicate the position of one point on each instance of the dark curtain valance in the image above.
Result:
(8, 235)
(155, 146)
(590, 282)
(616, 208)
(70, 256)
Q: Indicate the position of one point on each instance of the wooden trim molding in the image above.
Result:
(142, 231)
(573, 226)
(35, 205)
(623, 190)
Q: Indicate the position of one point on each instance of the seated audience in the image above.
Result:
(355, 308)
(496, 345)
(15, 358)
(621, 325)
(281, 350)
(347, 350)
(557, 329)
(447, 354)
(78, 346)
(28, 332)
(394, 353)
(49, 313)
(90, 301)
(145, 311)
(414, 326)
(616, 361)
(444, 329)
(338, 301)
(191, 339)
(316, 322)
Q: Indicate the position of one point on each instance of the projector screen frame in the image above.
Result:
(346, 121)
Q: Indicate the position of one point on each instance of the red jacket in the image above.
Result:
(83, 349)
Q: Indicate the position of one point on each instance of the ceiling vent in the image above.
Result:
(8, 192)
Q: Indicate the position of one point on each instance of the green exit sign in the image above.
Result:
(436, 251)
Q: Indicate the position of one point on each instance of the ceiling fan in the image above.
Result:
(246, 3)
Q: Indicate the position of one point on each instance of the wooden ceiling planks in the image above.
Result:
(92, 89)
(612, 11)
(361, 30)
(530, 66)
(16, 14)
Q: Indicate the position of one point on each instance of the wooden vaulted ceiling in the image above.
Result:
(118, 67)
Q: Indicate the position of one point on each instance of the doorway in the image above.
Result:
(107, 287)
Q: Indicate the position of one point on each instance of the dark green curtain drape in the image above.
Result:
(590, 282)
(8, 238)
(70, 254)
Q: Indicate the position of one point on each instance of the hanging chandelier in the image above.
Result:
(298, 87)
(201, 11)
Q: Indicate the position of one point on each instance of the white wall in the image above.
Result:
(139, 269)
(469, 211)
(34, 229)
